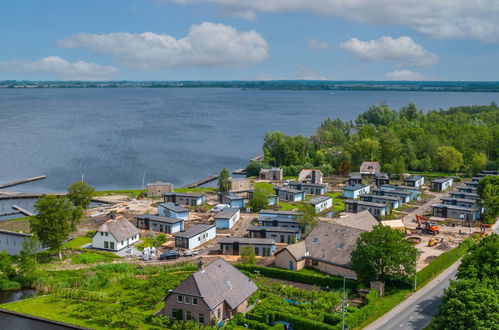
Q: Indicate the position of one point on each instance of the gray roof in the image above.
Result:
(400, 187)
(159, 183)
(279, 219)
(466, 194)
(232, 197)
(246, 240)
(440, 180)
(460, 200)
(395, 191)
(193, 231)
(288, 190)
(159, 218)
(274, 229)
(173, 207)
(356, 187)
(227, 213)
(183, 194)
(355, 175)
(388, 198)
(277, 212)
(363, 220)
(413, 178)
(218, 282)
(307, 184)
(382, 176)
(120, 228)
(354, 201)
(454, 207)
(318, 199)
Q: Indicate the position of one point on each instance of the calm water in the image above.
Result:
(113, 136)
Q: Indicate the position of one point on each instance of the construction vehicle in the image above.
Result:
(432, 242)
(426, 226)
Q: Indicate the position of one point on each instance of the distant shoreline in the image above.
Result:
(406, 86)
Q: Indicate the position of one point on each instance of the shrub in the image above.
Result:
(90, 233)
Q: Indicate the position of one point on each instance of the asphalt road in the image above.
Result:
(416, 311)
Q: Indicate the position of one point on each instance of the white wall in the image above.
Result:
(98, 241)
(198, 239)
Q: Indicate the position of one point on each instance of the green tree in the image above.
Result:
(6, 267)
(28, 265)
(57, 218)
(449, 159)
(81, 194)
(307, 219)
(384, 255)
(224, 181)
(253, 168)
(248, 256)
(482, 260)
(488, 190)
(477, 163)
(260, 198)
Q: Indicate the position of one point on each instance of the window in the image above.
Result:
(122, 242)
(187, 300)
(257, 251)
(102, 233)
(188, 315)
(195, 301)
(219, 313)
(106, 245)
(315, 263)
(174, 312)
(180, 299)
(199, 238)
(111, 245)
(107, 234)
(201, 318)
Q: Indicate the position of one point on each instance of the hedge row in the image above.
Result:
(299, 323)
(289, 275)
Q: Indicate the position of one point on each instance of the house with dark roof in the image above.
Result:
(195, 236)
(464, 202)
(289, 194)
(354, 178)
(465, 195)
(327, 248)
(356, 190)
(455, 212)
(356, 206)
(321, 203)
(413, 190)
(441, 184)
(234, 245)
(172, 210)
(393, 202)
(363, 220)
(231, 199)
(278, 218)
(160, 224)
(309, 188)
(210, 295)
(405, 196)
(272, 200)
(227, 218)
(184, 198)
(414, 181)
(466, 189)
(381, 179)
(115, 234)
(279, 234)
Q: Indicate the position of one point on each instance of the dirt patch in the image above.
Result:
(16, 225)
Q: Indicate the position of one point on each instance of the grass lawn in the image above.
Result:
(196, 190)
(90, 258)
(132, 192)
(338, 204)
(20, 224)
(77, 242)
(311, 271)
(286, 206)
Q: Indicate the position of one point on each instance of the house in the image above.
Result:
(240, 185)
(471, 184)
(210, 295)
(184, 198)
(231, 199)
(455, 212)
(115, 234)
(376, 209)
(393, 202)
(327, 248)
(363, 220)
(488, 173)
(279, 234)
(413, 190)
(195, 236)
(309, 188)
(310, 176)
(466, 189)
(275, 174)
(12, 241)
(227, 218)
(278, 218)
(355, 191)
(370, 168)
(476, 178)
(321, 203)
(458, 194)
(414, 181)
(470, 203)
(173, 211)
(272, 200)
(233, 245)
(158, 188)
(441, 184)
(289, 194)
(160, 224)
(382, 179)
(405, 196)
(354, 179)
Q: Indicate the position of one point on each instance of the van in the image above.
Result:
(220, 207)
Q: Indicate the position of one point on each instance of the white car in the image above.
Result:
(220, 207)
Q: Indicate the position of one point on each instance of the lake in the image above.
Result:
(113, 136)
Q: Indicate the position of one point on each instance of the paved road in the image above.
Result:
(416, 311)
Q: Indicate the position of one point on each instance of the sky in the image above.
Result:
(442, 40)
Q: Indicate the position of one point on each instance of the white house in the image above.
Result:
(115, 234)
(321, 203)
(227, 218)
(414, 181)
(195, 236)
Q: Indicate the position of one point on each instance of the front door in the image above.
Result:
(291, 265)
(282, 238)
(235, 248)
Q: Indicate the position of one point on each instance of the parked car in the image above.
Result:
(172, 254)
(287, 182)
(220, 207)
(287, 325)
(188, 253)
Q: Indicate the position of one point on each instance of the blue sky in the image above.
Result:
(249, 40)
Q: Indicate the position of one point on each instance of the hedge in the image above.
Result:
(289, 275)
(299, 323)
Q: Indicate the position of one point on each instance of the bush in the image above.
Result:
(299, 323)
(289, 275)
(6, 284)
(88, 258)
(90, 233)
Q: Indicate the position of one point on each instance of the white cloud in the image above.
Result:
(404, 75)
(403, 51)
(206, 45)
(307, 74)
(317, 44)
(61, 69)
(472, 19)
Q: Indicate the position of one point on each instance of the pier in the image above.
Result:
(18, 182)
(23, 211)
(21, 195)
(201, 181)
(239, 171)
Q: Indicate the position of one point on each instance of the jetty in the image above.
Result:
(201, 181)
(23, 211)
(18, 182)
(22, 195)
(258, 158)
(239, 171)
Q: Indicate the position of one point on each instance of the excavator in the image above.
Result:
(426, 226)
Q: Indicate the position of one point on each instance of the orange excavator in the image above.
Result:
(426, 226)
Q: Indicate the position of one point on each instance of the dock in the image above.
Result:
(201, 181)
(239, 171)
(258, 158)
(21, 196)
(23, 211)
(18, 182)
